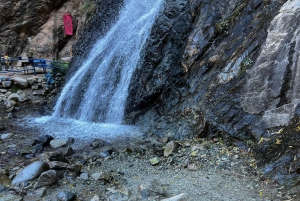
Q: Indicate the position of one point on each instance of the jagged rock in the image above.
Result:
(181, 197)
(58, 143)
(30, 172)
(20, 82)
(66, 196)
(32, 80)
(46, 179)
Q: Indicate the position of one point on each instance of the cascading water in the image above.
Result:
(98, 90)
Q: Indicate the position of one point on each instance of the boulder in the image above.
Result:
(30, 172)
(20, 82)
(6, 84)
(16, 97)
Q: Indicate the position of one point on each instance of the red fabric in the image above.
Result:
(68, 24)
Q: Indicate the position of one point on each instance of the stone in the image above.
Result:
(169, 148)
(16, 97)
(181, 197)
(6, 136)
(66, 196)
(20, 82)
(10, 103)
(10, 197)
(39, 92)
(28, 150)
(56, 165)
(46, 179)
(3, 90)
(4, 180)
(96, 175)
(154, 161)
(84, 176)
(6, 84)
(95, 198)
(58, 143)
(32, 80)
(30, 172)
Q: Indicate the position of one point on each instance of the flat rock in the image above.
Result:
(6, 136)
(58, 143)
(30, 172)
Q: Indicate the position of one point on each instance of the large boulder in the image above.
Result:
(20, 82)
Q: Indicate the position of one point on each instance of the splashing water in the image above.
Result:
(95, 96)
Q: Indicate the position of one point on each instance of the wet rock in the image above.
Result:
(58, 143)
(66, 196)
(46, 179)
(30, 172)
(4, 180)
(181, 197)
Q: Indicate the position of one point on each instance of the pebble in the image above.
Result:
(96, 175)
(84, 176)
(47, 178)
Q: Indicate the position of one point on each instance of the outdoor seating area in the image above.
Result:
(27, 65)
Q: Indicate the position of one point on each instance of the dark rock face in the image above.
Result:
(193, 74)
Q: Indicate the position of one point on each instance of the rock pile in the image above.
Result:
(15, 90)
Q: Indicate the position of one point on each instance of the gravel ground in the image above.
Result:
(201, 169)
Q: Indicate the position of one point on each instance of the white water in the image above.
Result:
(92, 102)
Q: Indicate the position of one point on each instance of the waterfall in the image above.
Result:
(97, 91)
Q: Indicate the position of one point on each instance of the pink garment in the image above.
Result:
(68, 24)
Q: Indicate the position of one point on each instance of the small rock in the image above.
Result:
(144, 192)
(169, 148)
(181, 197)
(28, 150)
(46, 179)
(56, 165)
(58, 143)
(154, 161)
(6, 84)
(95, 198)
(84, 176)
(69, 151)
(66, 196)
(192, 167)
(3, 90)
(30, 172)
(6, 136)
(96, 176)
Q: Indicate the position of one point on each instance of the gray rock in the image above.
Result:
(96, 175)
(95, 198)
(20, 82)
(10, 197)
(3, 90)
(6, 84)
(6, 136)
(30, 172)
(181, 197)
(84, 176)
(58, 143)
(66, 196)
(16, 97)
(46, 179)
(32, 80)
